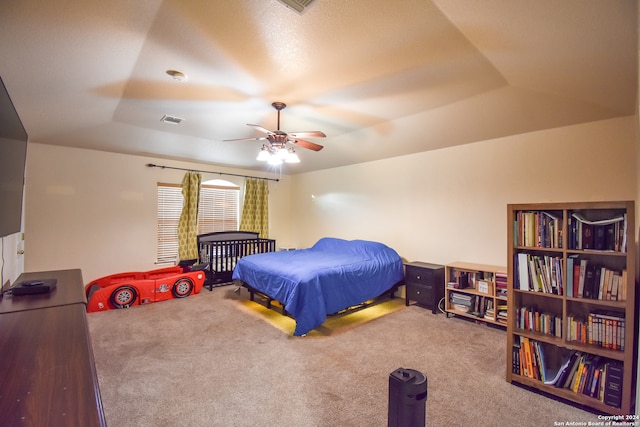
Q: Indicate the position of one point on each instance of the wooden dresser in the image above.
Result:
(46, 361)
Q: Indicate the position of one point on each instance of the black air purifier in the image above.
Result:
(407, 398)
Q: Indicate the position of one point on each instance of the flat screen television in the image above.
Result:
(13, 157)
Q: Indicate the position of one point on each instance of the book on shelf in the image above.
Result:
(586, 374)
(539, 273)
(478, 307)
(532, 319)
(581, 277)
(608, 234)
(522, 266)
(530, 360)
(462, 279)
(593, 281)
(462, 302)
(502, 317)
(537, 229)
(569, 378)
(515, 359)
(613, 384)
(589, 281)
(489, 311)
(566, 370)
(599, 328)
(501, 284)
(501, 313)
(570, 275)
(453, 285)
(576, 278)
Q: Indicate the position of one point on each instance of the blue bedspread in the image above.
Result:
(332, 275)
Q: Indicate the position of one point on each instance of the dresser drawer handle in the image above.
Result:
(418, 277)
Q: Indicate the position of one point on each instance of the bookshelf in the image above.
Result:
(571, 292)
(476, 291)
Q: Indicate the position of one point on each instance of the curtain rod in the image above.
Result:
(151, 165)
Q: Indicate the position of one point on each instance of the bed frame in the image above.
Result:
(220, 251)
(268, 301)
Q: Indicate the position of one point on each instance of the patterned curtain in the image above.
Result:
(188, 224)
(255, 213)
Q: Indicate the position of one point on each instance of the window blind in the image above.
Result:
(218, 210)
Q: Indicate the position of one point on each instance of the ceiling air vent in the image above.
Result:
(171, 119)
(297, 5)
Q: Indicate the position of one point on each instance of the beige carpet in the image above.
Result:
(208, 361)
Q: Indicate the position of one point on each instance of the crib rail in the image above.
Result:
(220, 252)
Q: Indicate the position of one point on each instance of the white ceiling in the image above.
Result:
(380, 78)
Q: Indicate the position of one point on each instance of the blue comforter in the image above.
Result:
(332, 275)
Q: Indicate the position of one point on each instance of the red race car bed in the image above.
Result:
(125, 290)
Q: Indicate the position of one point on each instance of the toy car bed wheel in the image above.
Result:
(123, 297)
(182, 288)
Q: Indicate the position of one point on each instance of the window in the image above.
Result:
(218, 211)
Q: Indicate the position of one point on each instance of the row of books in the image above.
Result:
(461, 302)
(579, 372)
(606, 234)
(501, 316)
(501, 285)
(586, 279)
(482, 307)
(601, 329)
(478, 306)
(468, 279)
(539, 273)
(529, 360)
(532, 319)
(537, 229)
(543, 229)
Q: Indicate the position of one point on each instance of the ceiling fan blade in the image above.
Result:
(306, 144)
(260, 128)
(245, 139)
(308, 134)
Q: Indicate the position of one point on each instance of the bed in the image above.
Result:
(331, 276)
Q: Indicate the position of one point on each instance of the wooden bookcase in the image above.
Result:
(483, 286)
(571, 294)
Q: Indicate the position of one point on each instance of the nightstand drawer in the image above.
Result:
(420, 294)
(418, 275)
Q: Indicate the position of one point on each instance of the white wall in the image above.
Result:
(97, 211)
(451, 204)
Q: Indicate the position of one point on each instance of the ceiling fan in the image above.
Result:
(277, 151)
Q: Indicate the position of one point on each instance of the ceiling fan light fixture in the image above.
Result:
(274, 161)
(282, 153)
(277, 151)
(263, 155)
(292, 157)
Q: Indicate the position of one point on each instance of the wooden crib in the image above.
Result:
(220, 251)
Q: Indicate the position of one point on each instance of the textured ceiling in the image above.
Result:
(379, 78)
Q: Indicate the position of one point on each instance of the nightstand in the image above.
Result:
(424, 284)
